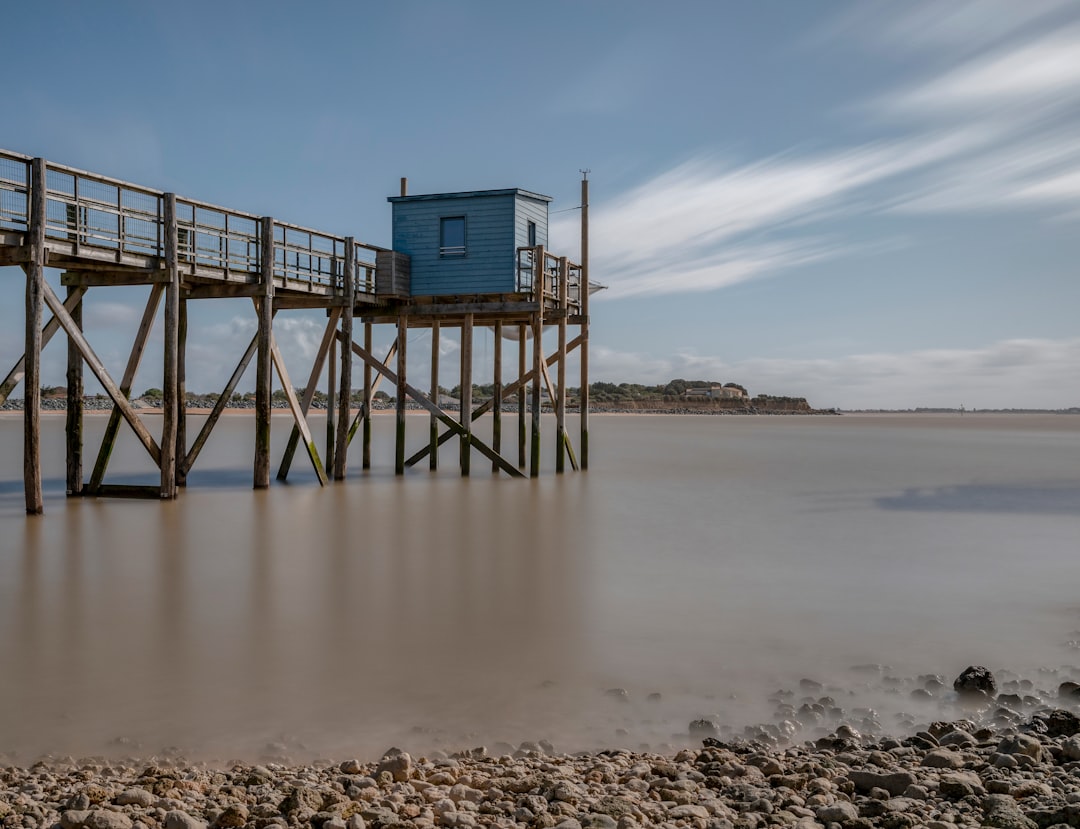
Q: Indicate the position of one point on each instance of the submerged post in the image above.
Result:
(497, 395)
(264, 358)
(560, 390)
(583, 394)
(172, 329)
(521, 395)
(399, 434)
(35, 291)
(74, 425)
(366, 437)
(433, 427)
(537, 358)
(466, 393)
(345, 393)
(181, 395)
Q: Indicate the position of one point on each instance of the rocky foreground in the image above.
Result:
(994, 767)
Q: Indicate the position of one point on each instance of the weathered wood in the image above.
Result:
(15, 256)
(135, 491)
(171, 346)
(538, 361)
(329, 340)
(497, 394)
(368, 392)
(35, 288)
(363, 413)
(91, 278)
(560, 402)
(340, 464)
(521, 397)
(433, 429)
(517, 387)
(74, 297)
(399, 430)
(264, 377)
(297, 412)
(331, 403)
(583, 397)
(220, 406)
(181, 395)
(92, 360)
(74, 417)
(465, 408)
(138, 348)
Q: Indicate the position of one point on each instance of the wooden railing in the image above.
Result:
(94, 213)
(526, 275)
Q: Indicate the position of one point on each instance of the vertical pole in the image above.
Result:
(264, 364)
(399, 442)
(497, 392)
(521, 395)
(560, 404)
(466, 392)
(181, 393)
(583, 349)
(74, 405)
(537, 359)
(345, 396)
(366, 461)
(35, 290)
(169, 409)
(331, 402)
(433, 454)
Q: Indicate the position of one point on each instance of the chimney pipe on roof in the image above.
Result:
(404, 186)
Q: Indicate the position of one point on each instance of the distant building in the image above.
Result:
(716, 393)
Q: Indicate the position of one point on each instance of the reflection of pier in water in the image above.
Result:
(104, 232)
(232, 622)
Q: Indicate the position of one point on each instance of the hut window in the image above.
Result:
(532, 234)
(452, 236)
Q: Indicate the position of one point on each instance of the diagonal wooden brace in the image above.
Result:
(126, 409)
(298, 414)
(486, 406)
(51, 327)
(363, 412)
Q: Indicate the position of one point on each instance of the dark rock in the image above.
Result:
(895, 782)
(703, 728)
(1060, 723)
(1001, 811)
(975, 680)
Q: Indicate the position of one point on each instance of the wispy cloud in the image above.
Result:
(1031, 373)
(996, 129)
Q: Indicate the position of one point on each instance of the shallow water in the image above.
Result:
(711, 560)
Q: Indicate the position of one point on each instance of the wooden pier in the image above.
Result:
(102, 232)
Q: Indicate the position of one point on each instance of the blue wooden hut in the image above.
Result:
(465, 243)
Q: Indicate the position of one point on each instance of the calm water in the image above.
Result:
(712, 560)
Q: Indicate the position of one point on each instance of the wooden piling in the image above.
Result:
(74, 425)
(399, 431)
(181, 395)
(264, 358)
(331, 401)
(171, 344)
(583, 356)
(465, 409)
(366, 439)
(560, 401)
(497, 395)
(521, 396)
(433, 429)
(35, 287)
(537, 359)
(340, 464)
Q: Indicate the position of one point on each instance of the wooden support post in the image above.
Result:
(465, 409)
(138, 348)
(17, 372)
(172, 330)
(74, 427)
(434, 427)
(331, 402)
(181, 395)
(583, 394)
(521, 396)
(497, 395)
(329, 339)
(560, 401)
(537, 358)
(35, 289)
(399, 434)
(340, 464)
(366, 439)
(263, 367)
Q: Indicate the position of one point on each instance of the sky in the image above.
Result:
(867, 204)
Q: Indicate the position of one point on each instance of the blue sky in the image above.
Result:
(870, 204)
